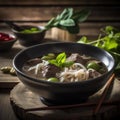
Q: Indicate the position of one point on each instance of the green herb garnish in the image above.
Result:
(108, 40)
(31, 30)
(49, 56)
(60, 61)
(53, 79)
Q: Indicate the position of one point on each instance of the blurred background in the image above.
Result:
(39, 12)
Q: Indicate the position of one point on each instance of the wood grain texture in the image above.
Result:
(6, 111)
(58, 2)
(37, 13)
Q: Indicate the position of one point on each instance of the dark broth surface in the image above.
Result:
(64, 67)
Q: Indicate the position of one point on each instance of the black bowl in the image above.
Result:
(29, 39)
(63, 93)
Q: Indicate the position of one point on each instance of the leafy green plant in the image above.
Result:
(108, 40)
(68, 20)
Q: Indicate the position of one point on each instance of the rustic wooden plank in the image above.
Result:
(58, 2)
(6, 111)
(98, 13)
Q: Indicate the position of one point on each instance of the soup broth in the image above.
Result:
(64, 67)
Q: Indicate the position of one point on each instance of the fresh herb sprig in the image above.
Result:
(60, 61)
(68, 20)
(108, 40)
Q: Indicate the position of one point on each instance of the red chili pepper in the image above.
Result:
(5, 37)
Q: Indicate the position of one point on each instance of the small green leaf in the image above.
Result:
(61, 58)
(53, 79)
(68, 22)
(93, 65)
(117, 36)
(70, 13)
(59, 17)
(81, 16)
(109, 29)
(67, 64)
(109, 43)
(54, 62)
(66, 14)
(83, 40)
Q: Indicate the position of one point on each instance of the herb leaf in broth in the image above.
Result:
(60, 61)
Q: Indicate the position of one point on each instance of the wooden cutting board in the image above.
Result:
(21, 99)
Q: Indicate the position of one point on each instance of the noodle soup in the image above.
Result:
(64, 67)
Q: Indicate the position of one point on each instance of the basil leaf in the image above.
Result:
(66, 14)
(59, 17)
(81, 16)
(68, 22)
(70, 13)
(60, 61)
(54, 62)
(61, 58)
(68, 64)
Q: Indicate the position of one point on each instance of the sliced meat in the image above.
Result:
(75, 57)
(50, 70)
(33, 62)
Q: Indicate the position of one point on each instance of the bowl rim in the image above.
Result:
(38, 81)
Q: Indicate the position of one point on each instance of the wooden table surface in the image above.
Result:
(7, 82)
(6, 111)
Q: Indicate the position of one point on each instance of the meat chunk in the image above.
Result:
(50, 70)
(33, 62)
(75, 57)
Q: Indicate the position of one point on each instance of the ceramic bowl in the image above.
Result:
(63, 93)
(30, 38)
(6, 45)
